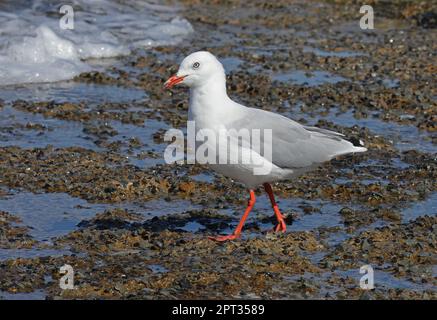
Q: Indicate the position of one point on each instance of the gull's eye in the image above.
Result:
(196, 65)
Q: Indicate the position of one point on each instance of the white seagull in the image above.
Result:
(294, 149)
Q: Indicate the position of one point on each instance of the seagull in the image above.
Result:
(294, 148)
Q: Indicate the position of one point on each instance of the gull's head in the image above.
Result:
(197, 69)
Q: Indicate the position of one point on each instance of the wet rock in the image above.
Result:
(389, 82)
(13, 236)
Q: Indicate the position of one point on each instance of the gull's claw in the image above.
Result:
(281, 226)
(224, 238)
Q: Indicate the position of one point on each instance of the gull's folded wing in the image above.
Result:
(294, 145)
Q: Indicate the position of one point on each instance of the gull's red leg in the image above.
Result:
(281, 226)
(237, 231)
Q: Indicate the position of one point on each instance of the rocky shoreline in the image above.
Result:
(103, 201)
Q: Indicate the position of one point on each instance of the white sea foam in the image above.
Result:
(33, 47)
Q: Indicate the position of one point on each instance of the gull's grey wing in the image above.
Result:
(333, 134)
(294, 145)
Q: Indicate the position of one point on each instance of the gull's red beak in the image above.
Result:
(173, 80)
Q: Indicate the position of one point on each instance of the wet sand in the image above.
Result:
(83, 180)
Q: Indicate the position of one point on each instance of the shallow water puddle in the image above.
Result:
(31, 253)
(159, 207)
(204, 177)
(308, 78)
(366, 182)
(329, 217)
(327, 214)
(73, 92)
(49, 214)
(156, 268)
(372, 171)
(193, 227)
(138, 155)
(405, 137)
(340, 54)
(28, 130)
(55, 214)
(391, 83)
(35, 295)
(421, 208)
(231, 63)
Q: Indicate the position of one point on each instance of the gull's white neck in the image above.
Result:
(209, 102)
